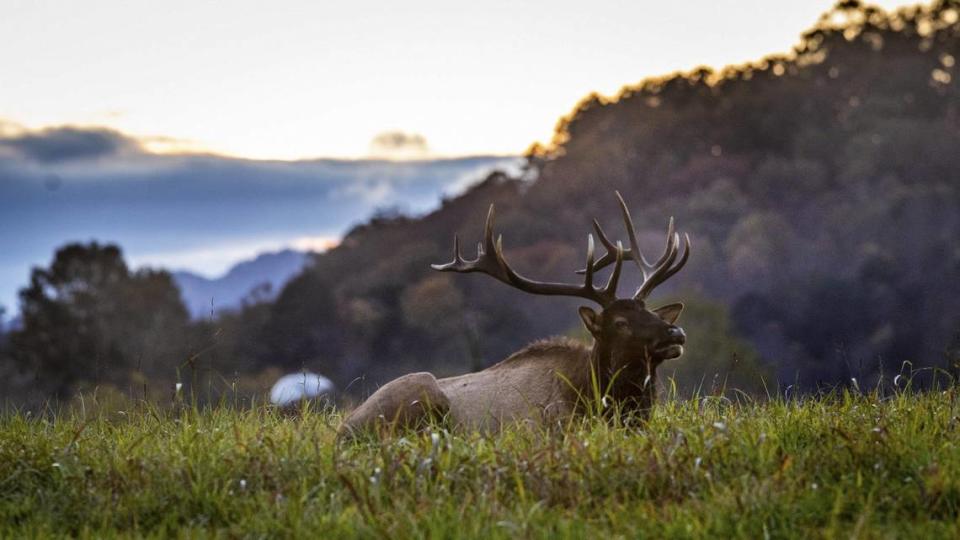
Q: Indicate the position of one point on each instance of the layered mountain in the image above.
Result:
(254, 280)
(197, 212)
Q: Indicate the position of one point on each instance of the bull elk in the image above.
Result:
(548, 380)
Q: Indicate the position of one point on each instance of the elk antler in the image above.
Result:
(653, 274)
(490, 261)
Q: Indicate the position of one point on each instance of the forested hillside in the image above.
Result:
(820, 187)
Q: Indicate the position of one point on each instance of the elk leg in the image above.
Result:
(408, 402)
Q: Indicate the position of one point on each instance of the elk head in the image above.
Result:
(629, 338)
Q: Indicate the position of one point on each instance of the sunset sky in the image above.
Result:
(298, 79)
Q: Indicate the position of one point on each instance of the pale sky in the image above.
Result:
(319, 78)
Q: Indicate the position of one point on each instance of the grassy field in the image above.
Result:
(848, 465)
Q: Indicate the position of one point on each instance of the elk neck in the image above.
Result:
(628, 377)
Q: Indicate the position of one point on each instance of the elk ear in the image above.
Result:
(591, 320)
(669, 312)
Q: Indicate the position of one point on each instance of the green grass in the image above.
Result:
(845, 466)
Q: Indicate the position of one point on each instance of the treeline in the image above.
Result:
(820, 187)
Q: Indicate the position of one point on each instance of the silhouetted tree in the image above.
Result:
(89, 319)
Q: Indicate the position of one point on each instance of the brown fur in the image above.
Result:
(543, 348)
(543, 383)
(410, 401)
(549, 380)
(523, 387)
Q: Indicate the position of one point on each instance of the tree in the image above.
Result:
(89, 319)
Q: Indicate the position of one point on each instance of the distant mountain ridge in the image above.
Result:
(271, 271)
(196, 212)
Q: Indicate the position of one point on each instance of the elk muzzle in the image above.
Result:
(672, 345)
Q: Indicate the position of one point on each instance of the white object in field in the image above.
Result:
(294, 387)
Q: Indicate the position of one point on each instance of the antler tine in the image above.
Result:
(654, 277)
(667, 268)
(588, 277)
(457, 261)
(681, 263)
(632, 236)
(611, 249)
(614, 280)
(456, 248)
(670, 233)
(488, 244)
(607, 257)
(490, 261)
(633, 252)
(482, 262)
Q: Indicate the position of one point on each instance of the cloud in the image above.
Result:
(202, 212)
(467, 177)
(66, 143)
(162, 144)
(399, 144)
